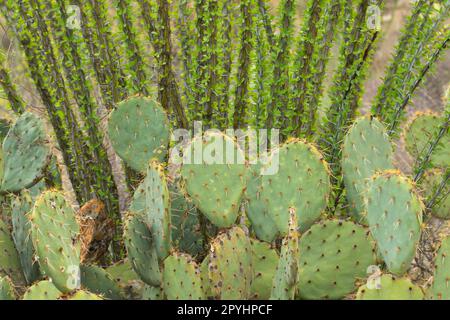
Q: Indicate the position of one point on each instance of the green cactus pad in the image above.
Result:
(141, 249)
(440, 290)
(257, 211)
(333, 255)
(286, 275)
(21, 207)
(25, 153)
(230, 265)
(420, 130)
(6, 289)
(216, 182)
(122, 272)
(430, 182)
(390, 288)
(152, 293)
(182, 278)
(157, 208)
(9, 258)
(54, 232)
(302, 183)
(98, 281)
(126, 278)
(139, 131)
(184, 219)
(204, 269)
(264, 261)
(365, 151)
(42, 290)
(186, 233)
(83, 295)
(394, 214)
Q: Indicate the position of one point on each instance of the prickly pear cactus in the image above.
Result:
(141, 249)
(184, 219)
(333, 255)
(25, 153)
(206, 283)
(182, 278)
(257, 211)
(126, 278)
(21, 207)
(365, 151)
(185, 223)
(265, 262)
(286, 275)
(230, 268)
(440, 289)
(9, 259)
(157, 208)
(42, 290)
(98, 281)
(302, 183)
(388, 287)
(152, 293)
(6, 289)
(139, 131)
(394, 214)
(54, 232)
(430, 182)
(216, 181)
(82, 295)
(420, 130)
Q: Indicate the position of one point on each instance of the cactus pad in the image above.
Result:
(440, 290)
(333, 255)
(141, 249)
(54, 233)
(186, 233)
(390, 288)
(152, 293)
(98, 281)
(394, 214)
(257, 211)
(42, 290)
(204, 269)
(264, 261)
(157, 208)
(25, 153)
(9, 259)
(182, 278)
(302, 183)
(6, 289)
(366, 150)
(83, 295)
(21, 207)
(230, 265)
(122, 272)
(139, 131)
(216, 182)
(286, 275)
